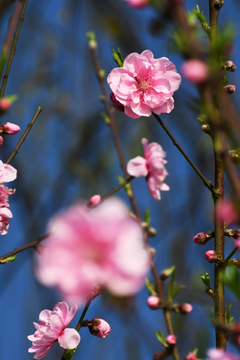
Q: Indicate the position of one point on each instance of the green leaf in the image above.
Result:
(206, 280)
(228, 318)
(90, 36)
(11, 98)
(173, 290)
(105, 118)
(202, 20)
(161, 338)
(126, 187)
(117, 57)
(147, 216)
(177, 289)
(8, 259)
(150, 286)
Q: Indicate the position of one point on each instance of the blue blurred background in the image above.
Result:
(69, 155)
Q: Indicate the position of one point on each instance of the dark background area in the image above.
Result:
(69, 155)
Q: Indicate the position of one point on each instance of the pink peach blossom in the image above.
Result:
(99, 328)
(138, 3)
(194, 70)
(151, 166)
(144, 84)
(7, 173)
(5, 215)
(52, 327)
(218, 354)
(89, 248)
(9, 128)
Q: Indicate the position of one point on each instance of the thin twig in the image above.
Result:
(206, 183)
(13, 49)
(25, 247)
(15, 151)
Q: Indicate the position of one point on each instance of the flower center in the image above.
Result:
(145, 81)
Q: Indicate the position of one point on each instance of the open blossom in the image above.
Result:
(144, 84)
(7, 173)
(89, 248)
(138, 3)
(151, 166)
(218, 354)
(52, 328)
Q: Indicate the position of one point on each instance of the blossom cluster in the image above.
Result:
(52, 328)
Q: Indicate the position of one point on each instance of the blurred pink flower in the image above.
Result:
(9, 128)
(89, 248)
(52, 327)
(7, 173)
(4, 105)
(226, 212)
(194, 70)
(138, 3)
(191, 356)
(218, 354)
(185, 308)
(151, 166)
(99, 328)
(145, 84)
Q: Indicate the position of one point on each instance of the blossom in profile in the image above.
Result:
(218, 354)
(52, 328)
(195, 70)
(138, 3)
(152, 167)
(102, 247)
(99, 327)
(144, 85)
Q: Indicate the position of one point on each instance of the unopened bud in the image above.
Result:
(206, 129)
(191, 356)
(1, 141)
(171, 339)
(9, 129)
(236, 234)
(99, 327)
(230, 66)
(201, 238)
(153, 302)
(166, 273)
(95, 200)
(185, 308)
(229, 89)
(212, 257)
(152, 232)
(4, 105)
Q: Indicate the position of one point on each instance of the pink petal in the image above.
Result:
(137, 167)
(69, 339)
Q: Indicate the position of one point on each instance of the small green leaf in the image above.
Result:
(105, 118)
(147, 216)
(228, 318)
(126, 187)
(69, 353)
(202, 19)
(206, 280)
(8, 259)
(161, 338)
(11, 98)
(150, 286)
(117, 57)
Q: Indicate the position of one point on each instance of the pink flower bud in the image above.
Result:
(99, 328)
(1, 141)
(138, 3)
(171, 339)
(201, 238)
(4, 105)
(230, 66)
(211, 256)
(95, 200)
(195, 70)
(191, 356)
(229, 89)
(9, 128)
(185, 308)
(118, 106)
(153, 302)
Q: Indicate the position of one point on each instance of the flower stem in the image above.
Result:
(206, 183)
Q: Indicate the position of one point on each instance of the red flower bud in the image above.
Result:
(4, 105)
(171, 339)
(201, 238)
(99, 328)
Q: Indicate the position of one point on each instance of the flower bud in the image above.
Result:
(118, 106)
(153, 302)
(4, 105)
(211, 256)
(185, 308)
(138, 3)
(195, 70)
(152, 232)
(9, 129)
(191, 356)
(230, 66)
(201, 238)
(1, 141)
(99, 327)
(229, 89)
(236, 234)
(171, 339)
(95, 200)
(206, 129)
